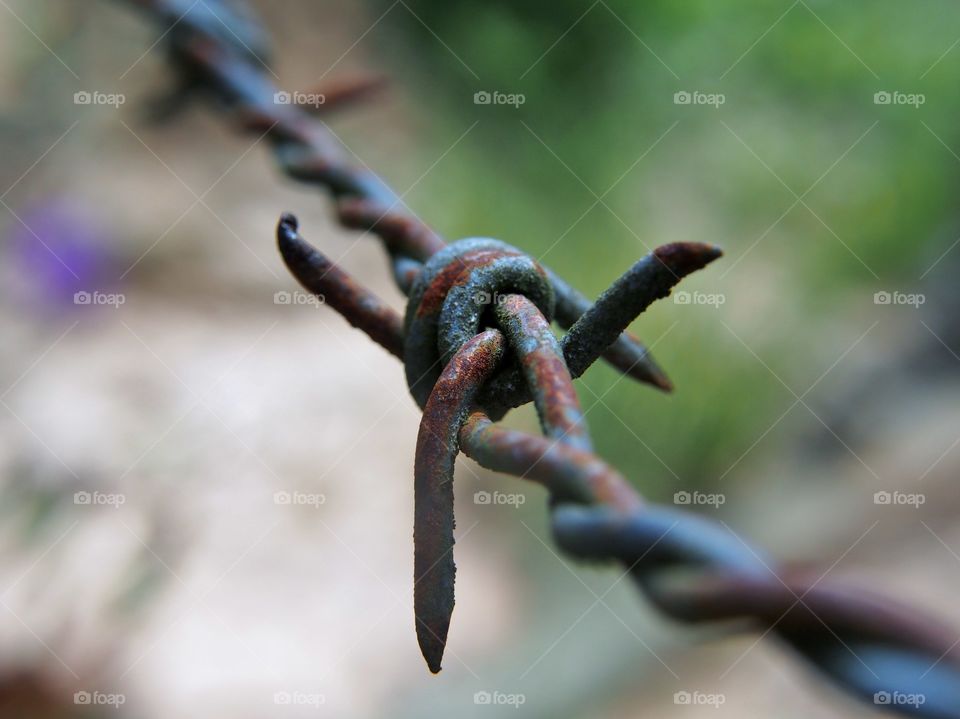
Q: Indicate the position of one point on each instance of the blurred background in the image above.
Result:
(149, 566)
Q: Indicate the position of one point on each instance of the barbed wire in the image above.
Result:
(477, 341)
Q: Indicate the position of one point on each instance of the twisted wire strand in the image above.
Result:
(476, 341)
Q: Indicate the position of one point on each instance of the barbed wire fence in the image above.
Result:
(476, 341)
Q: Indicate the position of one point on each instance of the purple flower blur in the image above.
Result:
(58, 250)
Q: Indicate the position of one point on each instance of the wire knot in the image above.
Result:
(452, 298)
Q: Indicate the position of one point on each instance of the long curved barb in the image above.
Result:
(476, 341)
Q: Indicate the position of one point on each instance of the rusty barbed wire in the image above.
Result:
(469, 359)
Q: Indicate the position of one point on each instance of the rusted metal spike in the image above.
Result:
(361, 308)
(437, 447)
(602, 325)
(342, 94)
(633, 359)
(648, 280)
(627, 353)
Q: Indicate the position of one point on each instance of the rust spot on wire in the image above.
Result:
(452, 274)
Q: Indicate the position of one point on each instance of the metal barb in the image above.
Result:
(476, 341)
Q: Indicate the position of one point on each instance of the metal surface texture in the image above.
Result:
(476, 341)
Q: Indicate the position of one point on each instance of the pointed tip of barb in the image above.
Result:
(304, 261)
(431, 646)
(629, 356)
(288, 236)
(686, 257)
(657, 378)
(347, 92)
(288, 223)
